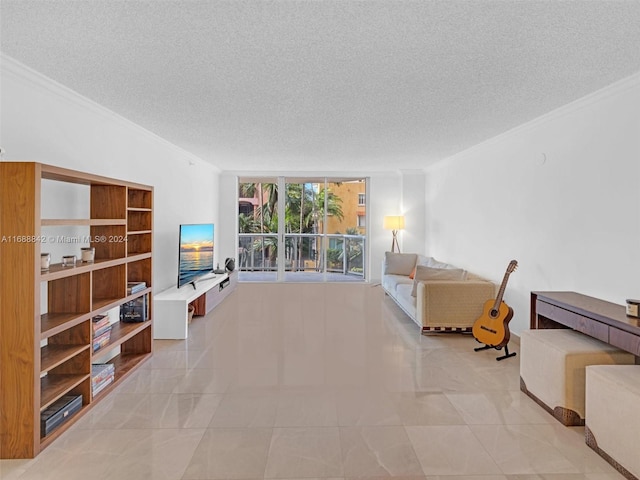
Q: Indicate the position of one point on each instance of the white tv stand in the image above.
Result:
(170, 312)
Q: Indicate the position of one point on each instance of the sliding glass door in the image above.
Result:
(305, 229)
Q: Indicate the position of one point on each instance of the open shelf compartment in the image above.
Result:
(69, 297)
(62, 347)
(110, 241)
(108, 201)
(64, 377)
(139, 199)
(139, 271)
(139, 220)
(108, 285)
(139, 242)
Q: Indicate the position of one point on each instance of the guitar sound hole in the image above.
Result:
(494, 313)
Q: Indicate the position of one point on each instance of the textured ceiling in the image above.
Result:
(326, 85)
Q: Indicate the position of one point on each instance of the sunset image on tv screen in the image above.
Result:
(196, 251)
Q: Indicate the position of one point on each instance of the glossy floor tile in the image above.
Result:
(324, 381)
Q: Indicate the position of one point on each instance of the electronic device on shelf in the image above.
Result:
(58, 413)
(230, 264)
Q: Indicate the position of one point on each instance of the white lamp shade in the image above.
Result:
(393, 222)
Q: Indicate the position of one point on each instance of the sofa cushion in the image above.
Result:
(399, 263)
(390, 282)
(433, 263)
(423, 260)
(427, 273)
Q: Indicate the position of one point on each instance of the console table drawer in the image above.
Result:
(624, 340)
(573, 320)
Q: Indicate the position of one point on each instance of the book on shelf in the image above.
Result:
(102, 375)
(100, 371)
(135, 310)
(99, 321)
(96, 389)
(135, 287)
(102, 340)
(106, 328)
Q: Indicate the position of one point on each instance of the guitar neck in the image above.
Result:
(498, 301)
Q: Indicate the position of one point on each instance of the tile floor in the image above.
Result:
(291, 381)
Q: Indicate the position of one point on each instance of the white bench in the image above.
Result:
(613, 425)
(552, 369)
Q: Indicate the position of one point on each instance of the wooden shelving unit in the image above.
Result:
(46, 351)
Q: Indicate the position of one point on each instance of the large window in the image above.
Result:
(302, 229)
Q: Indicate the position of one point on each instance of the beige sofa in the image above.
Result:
(440, 297)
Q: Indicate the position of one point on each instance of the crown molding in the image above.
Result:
(621, 86)
(12, 67)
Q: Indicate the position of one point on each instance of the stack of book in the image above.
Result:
(135, 287)
(102, 375)
(101, 331)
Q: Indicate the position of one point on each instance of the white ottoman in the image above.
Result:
(613, 424)
(552, 369)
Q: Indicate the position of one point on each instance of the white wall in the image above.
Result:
(45, 122)
(561, 195)
(228, 201)
(413, 209)
(384, 194)
(385, 198)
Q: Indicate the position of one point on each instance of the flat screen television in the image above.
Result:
(195, 256)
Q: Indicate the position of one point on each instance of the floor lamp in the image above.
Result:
(394, 223)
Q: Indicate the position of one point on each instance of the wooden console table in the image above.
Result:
(594, 317)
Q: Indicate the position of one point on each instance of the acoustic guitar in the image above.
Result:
(492, 328)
